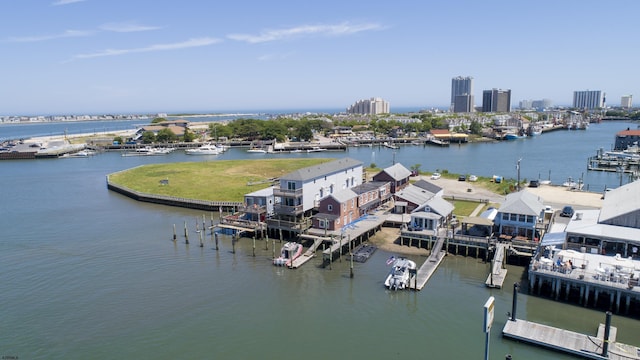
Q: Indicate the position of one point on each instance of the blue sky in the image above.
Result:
(149, 56)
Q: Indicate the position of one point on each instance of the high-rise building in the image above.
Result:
(588, 100)
(496, 100)
(461, 86)
(463, 104)
(372, 106)
(626, 102)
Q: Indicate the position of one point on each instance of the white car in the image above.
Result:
(473, 178)
(435, 176)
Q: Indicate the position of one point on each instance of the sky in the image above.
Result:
(195, 56)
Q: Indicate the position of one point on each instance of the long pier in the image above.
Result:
(431, 264)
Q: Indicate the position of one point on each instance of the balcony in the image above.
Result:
(288, 210)
(287, 192)
(296, 226)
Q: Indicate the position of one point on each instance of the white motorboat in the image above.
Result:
(289, 252)
(206, 149)
(147, 151)
(316, 149)
(399, 277)
(257, 151)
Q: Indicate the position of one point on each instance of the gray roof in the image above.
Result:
(262, 193)
(397, 172)
(368, 186)
(522, 202)
(344, 195)
(622, 201)
(587, 224)
(438, 205)
(321, 170)
(429, 186)
(414, 194)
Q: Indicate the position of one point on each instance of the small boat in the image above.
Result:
(289, 252)
(206, 149)
(257, 151)
(572, 185)
(316, 149)
(400, 275)
(511, 136)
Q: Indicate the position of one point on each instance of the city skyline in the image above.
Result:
(90, 56)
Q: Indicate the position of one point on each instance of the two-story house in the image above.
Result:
(397, 175)
(298, 193)
(519, 215)
(337, 210)
(371, 195)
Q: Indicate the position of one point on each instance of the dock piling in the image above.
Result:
(351, 267)
(174, 233)
(254, 245)
(186, 233)
(216, 238)
(607, 329)
(514, 301)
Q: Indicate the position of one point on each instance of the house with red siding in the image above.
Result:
(397, 175)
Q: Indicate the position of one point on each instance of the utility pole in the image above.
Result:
(518, 168)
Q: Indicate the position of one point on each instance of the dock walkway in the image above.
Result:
(498, 272)
(431, 264)
(585, 346)
(308, 255)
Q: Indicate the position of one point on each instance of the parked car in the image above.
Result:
(435, 176)
(534, 183)
(473, 178)
(567, 211)
(462, 178)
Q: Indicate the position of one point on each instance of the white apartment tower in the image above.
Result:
(372, 106)
(626, 102)
(588, 100)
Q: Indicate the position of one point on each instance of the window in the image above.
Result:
(505, 216)
(322, 223)
(329, 208)
(291, 185)
(522, 218)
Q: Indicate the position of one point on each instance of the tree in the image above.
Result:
(188, 136)
(118, 139)
(166, 135)
(158, 120)
(148, 137)
(475, 127)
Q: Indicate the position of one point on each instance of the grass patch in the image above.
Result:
(212, 180)
(464, 207)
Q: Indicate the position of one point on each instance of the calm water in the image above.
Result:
(87, 273)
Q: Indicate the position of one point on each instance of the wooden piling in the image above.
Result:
(174, 233)
(254, 245)
(351, 267)
(186, 233)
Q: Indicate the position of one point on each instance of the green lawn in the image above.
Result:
(211, 180)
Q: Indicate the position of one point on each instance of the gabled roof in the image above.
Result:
(344, 195)
(622, 201)
(438, 205)
(397, 172)
(522, 202)
(628, 133)
(414, 194)
(429, 186)
(320, 170)
(439, 131)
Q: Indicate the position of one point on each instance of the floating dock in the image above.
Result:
(582, 345)
(498, 272)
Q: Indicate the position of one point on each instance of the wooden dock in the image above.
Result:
(585, 346)
(498, 272)
(430, 265)
(308, 255)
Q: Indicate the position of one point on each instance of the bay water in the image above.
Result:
(88, 273)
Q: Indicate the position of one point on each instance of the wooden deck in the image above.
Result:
(498, 272)
(308, 255)
(431, 264)
(585, 346)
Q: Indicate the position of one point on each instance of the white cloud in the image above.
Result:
(65, 2)
(66, 34)
(272, 57)
(127, 27)
(158, 47)
(305, 30)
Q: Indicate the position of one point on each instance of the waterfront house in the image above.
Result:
(519, 215)
(397, 175)
(434, 214)
(298, 194)
(259, 205)
(614, 229)
(336, 210)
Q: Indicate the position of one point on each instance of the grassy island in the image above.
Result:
(225, 180)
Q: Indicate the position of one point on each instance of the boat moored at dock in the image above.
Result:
(400, 274)
(289, 252)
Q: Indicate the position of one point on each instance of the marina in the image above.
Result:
(170, 293)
